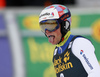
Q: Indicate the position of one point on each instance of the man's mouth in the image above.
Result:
(51, 38)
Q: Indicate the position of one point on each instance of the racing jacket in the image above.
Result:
(75, 57)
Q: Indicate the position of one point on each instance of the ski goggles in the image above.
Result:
(50, 25)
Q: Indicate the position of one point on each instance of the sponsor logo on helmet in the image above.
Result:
(65, 16)
(44, 14)
(52, 14)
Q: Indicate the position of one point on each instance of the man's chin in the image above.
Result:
(53, 43)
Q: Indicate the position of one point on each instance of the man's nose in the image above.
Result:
(47, 31)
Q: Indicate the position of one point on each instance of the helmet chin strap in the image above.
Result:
(65, 27)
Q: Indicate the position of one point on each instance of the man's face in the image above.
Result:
(54, 37)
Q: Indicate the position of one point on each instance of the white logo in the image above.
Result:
(66, 25)
(61, 75)
(44, 14)
(49, 14)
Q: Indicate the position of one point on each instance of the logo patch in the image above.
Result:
(86, 59)
(63, 63)
(44, 14)
(52, 14)
(81, 52)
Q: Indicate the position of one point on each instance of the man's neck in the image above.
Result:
(64, 39)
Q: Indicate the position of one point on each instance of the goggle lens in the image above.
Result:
(50, 25)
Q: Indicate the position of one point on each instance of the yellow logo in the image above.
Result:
(58, 61)
(96, 30)
(31, 22)
(63, 65)
(66, 57)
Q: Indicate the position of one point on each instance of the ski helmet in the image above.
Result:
(57, 12)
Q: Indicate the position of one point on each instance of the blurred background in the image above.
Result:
(24, 50)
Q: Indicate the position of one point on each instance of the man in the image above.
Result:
(73, 55)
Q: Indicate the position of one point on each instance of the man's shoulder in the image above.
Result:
(79, 38)
(81, 43)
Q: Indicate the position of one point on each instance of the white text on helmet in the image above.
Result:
(44, 14)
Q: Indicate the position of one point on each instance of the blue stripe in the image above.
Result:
(65, 45)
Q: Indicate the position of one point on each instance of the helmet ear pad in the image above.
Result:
(65, 27)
